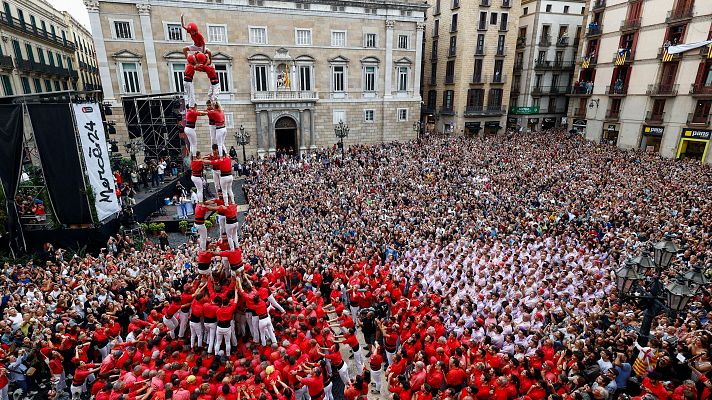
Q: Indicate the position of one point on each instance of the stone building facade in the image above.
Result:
(548, 37)
(469, 56)
(289, 70)
(639, 94)
(84, 56)
(36, 51)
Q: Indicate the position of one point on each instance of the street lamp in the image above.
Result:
(242, 137)
(641, 279)
(341, 130)
(417, 127)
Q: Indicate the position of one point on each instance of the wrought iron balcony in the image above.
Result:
(280, 95)
(497, 78)
(654, 118)
(663, 90)
(6, 63)
(629, 57)
(550, 90)
(594, 30)
(545, 41)
(617, 90)
(630, 24)
(521, 42)
(700, 90)
(581, 91)
(19, 25)
(699, 120)
(613, 115)
(562, 41)
(681, 14)
(599, 5)
(475, 111)
(446, 111)
(477, 79)
(670, 57)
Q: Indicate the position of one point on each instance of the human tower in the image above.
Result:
(199, 59)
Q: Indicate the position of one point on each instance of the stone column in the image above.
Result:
(144, 10)
(302, 137)
(312, 136)
(270, 133)
(419, 29)
(101, 58)
(259, 137)
(390, 24)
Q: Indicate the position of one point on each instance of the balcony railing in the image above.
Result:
(504, 27)
(477, 79)
(545, 41)
(6, 63)
(630, 24)
(580, 112)
(698, 119)
(581, 91)
(74, 75)
(449, 79)
(599, 4)
(661, 89)
(518, 66)
(699, 89)
(562, 41)
(484, 110)
(561, 64)
(629, 57)
(279, 95)
(35, 32)
(521, 42)
(617, 90)
(654, 117)
(594, 30)
(447, 111)
(592, 61)
(613, 115)
(550, 90)
(497, 78)
(663, 55)
(480, 51)
(501, 51)
(680, 14)
(542, 64)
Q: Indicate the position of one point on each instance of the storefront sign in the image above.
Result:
(549, 120)
(653, 130)
(492, 124)
(612, 128)
(524, 110)
(533, 120)
(580, 122)
(703, 134)
(472, 125)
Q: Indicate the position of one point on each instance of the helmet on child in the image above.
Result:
(191, 59)
(192, 27)
(200, 58)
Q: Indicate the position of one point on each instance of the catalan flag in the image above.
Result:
(622, 56)
(709, 52)
(667, 57)
(586, 62)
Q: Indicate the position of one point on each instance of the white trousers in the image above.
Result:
(216, 180)
(241, 322)
(358, 358)
(189, 93)
(76, 391)
(196, 334)
(202, 236)
(223, 335)
(183, 318)
(376, 377)
(221, 223)
(198, 182)
(226, 185)
(344, 374)
(171, 324)
(389, 357)
(266, 330)
(210, 330)
(212, 136)
(231, 231)
(214, 91)
(254, 328)
(192, 139)
(220, 134)
(327, 392)
(274, 303)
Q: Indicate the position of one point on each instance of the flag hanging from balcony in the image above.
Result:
(622, 56)
(667, 57)
(586, 62)
(709, 51)
(681, 48)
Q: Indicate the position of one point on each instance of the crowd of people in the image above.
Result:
(449, 269)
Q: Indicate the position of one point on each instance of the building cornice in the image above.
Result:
(92, 5)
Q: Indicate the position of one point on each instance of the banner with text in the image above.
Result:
(96, 159)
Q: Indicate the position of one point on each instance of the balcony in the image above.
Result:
(497, 79)
(580, 112)
(562, 41)
(283, 95)
(594, 30)
(427, 109)
(662, 90)
(521, 42)
(700, 90)
(20, 26)
(446, 111)
(599, 5)
(665, 57)
(545, 41)
(501, 51)
(480, 51)
(654, 118)
(617, 90)
(580, 91)
(613, 115)
(561, 64)
(477, 79)
(503, 27)
(518, 66)
(6, 63)
(698, 120)
(679, 15)
(74, 75)
(550, 90)
(542, 64)
(482, 25)
(449, 79)
(630, 25)
(629, 57)
(479, 111)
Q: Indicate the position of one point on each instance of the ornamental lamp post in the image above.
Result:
(640, 279)
(696, 275)
(341, 130)
(417, 127)
(242, 137)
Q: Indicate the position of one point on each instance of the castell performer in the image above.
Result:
(217, 116)
(188, 81)
(191, 117)
(215, 155)
(200, 212)
(196, 175)
(230, 212)
(196, 36)
(211, 127)
(209, 70)
(224, 164)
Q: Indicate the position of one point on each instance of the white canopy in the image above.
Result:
(681, 48)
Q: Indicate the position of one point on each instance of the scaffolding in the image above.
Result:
(157, 119)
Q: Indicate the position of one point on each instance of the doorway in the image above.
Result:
(695, 149)
(285, 132)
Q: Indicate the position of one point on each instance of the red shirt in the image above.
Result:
(196, 167)
(231, 211)
(196, 308)
(224, 164)
(210, 310)
(188, 72)
(191, 116)
(233, 257)
(217, 116)
(198, 39)
(225, 313)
